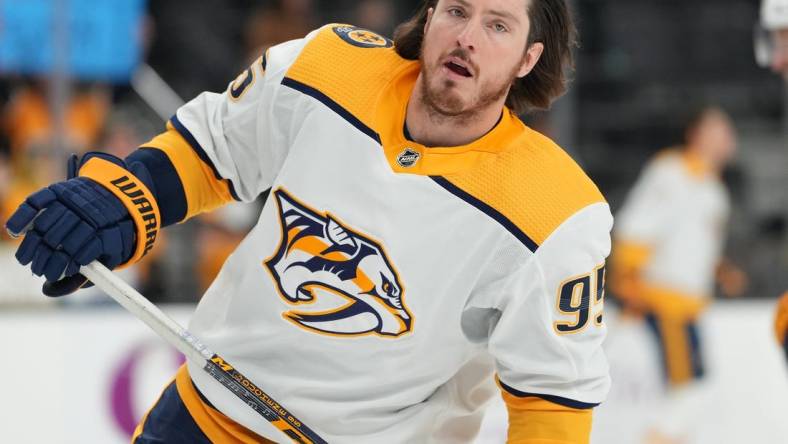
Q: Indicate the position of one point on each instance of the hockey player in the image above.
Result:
(668, 241)
(771, 42)
(771, 50)
(420, 243)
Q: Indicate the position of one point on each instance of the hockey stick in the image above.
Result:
(192, 348)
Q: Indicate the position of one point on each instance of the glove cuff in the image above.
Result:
(136, 197)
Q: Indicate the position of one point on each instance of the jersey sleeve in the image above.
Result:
(642, 218)
(547, 343)
(223, 147)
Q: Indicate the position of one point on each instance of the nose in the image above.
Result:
(468, 35)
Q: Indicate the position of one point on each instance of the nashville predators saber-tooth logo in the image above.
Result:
(362, 38)
(344, 276)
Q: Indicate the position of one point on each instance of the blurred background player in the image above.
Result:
(771, 50)
(669, 237)
(771, 40)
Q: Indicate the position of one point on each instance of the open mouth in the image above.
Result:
(458, 69)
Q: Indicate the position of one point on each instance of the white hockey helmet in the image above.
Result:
(774, 16)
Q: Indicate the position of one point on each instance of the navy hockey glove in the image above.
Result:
(106, 214)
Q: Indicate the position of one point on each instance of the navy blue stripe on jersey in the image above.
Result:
(488, 210)
(696, 357)
(651, 322)
(167, 186)
(333, 106)
(566, 402)
(169, 421)
(785, 346)
(186, 134)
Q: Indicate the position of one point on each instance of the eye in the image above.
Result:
(456, 12)
(386, 287)
(500, 27)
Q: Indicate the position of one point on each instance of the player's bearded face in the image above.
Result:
(467, 62)
(452, 97)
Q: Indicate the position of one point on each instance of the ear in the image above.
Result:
(530, 59)
(429, 19)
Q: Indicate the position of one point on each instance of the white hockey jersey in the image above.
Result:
(387, 283)
(678, 211)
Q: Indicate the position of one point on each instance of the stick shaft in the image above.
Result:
(192, 348)
(144, 310)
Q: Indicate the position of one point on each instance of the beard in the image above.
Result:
(444, 101)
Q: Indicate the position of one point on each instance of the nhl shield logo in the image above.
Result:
(408, 158)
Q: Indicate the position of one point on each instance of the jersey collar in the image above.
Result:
(407, 156)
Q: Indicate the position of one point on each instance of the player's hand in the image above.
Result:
(70, 224)
(733, 281)
(629, 290)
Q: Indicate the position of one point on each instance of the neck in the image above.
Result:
(701, 161)
(429, 127)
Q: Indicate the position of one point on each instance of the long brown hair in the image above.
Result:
(551, 25)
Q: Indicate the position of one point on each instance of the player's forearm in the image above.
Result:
(185, 185)
(628, 260)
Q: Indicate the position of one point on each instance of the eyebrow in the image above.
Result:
(502, 14)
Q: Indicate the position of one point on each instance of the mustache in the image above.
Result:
(462, 54)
